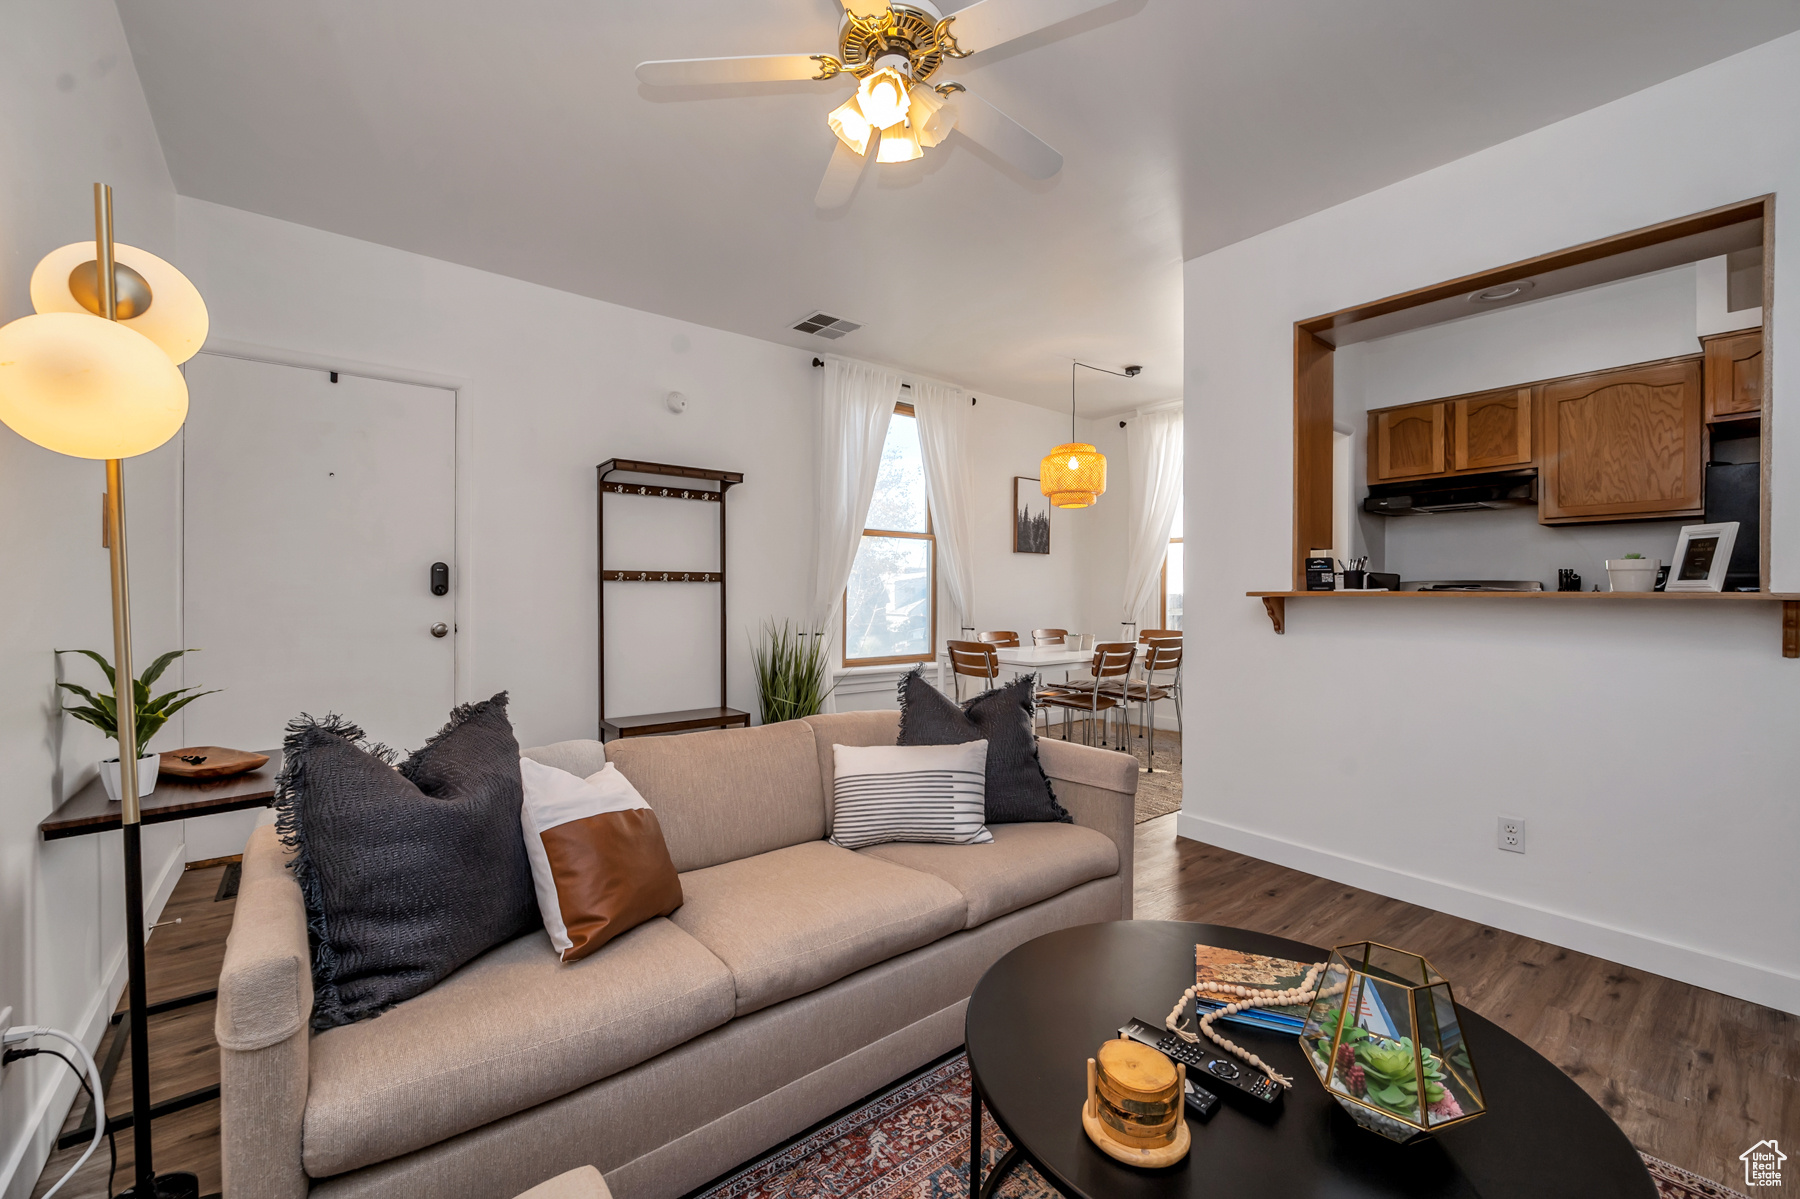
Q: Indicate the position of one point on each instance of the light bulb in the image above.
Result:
(883, 97)
(850, 125)
(898, 144)
(88, 387)
(1074, 464)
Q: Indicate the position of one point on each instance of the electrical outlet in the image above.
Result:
(1512, 834)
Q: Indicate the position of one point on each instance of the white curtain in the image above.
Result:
(1153, 450)
(944, 436)
(855, 405)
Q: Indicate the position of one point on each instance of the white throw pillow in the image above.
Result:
(934, 793)
(598, 861)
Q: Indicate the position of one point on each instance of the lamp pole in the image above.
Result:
(173, 1186)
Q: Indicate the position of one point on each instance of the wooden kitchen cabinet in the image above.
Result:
(1492, 431)
(1622, 444)
(1408, 442)
(1734, 375)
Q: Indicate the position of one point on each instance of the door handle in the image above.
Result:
(440, 629)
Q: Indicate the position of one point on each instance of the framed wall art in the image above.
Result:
(1031, 517)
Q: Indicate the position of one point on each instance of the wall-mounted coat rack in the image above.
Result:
(651, 723)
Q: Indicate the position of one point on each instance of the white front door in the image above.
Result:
(313, 512)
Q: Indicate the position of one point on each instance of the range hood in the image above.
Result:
(1465, 493)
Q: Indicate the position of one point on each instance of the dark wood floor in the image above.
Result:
(1692, 1076)
(179, 959)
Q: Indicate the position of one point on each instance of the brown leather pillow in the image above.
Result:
(598, 860)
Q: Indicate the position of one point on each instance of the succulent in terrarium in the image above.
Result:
(1385, 1038)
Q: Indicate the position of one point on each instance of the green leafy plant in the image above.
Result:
(791, 668)
(152, 712)
(1634, 555)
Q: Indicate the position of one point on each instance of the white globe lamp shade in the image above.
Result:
(88, 387)
(174, 316)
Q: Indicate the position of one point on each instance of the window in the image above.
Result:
(890, 603)
(1172, 576)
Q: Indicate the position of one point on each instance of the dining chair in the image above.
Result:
(1049, 636)
(1004, 638)
(1162, 680)
(975, 660)
(1112, 660)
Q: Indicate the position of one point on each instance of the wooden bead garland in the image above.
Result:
(1244, 999)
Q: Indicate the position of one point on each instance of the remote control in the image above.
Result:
(1200, 1101)
(1204, 1062)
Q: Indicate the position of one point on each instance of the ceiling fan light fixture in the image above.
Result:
(884, 97)
(850, 125)
(899, 144)
(929, 118)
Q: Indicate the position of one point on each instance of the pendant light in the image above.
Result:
(1073, 474)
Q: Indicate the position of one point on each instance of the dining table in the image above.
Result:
(1022, 658)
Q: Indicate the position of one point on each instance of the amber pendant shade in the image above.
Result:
(1073, 475)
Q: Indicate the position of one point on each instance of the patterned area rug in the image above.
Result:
(912, 1142)
(1160, 793)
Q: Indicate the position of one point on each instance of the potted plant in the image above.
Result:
(1633, 572)
(790, 672)
(152, 713)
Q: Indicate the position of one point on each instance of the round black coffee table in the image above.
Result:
(1043, 1009)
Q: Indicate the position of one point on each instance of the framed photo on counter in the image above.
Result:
(1701, 556)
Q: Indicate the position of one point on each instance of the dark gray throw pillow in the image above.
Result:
(1018, 791)
(408, 872)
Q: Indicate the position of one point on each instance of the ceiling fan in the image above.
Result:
(892, 51)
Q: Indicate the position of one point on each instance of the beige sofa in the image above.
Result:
(795, 978)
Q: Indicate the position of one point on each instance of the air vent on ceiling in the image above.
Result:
(823, 324)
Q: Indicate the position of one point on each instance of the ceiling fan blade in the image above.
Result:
(990, 23)
(842, 172)
(1014, 144)
(754, 68)
(865, 8)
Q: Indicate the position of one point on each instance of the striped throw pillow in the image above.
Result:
(934, 793)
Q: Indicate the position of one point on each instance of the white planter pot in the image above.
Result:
(1632, 574)
(148, 765)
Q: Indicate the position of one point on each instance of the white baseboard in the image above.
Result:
(1730, 976)
(20, 1172)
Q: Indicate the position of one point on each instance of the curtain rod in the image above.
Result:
(820, 362)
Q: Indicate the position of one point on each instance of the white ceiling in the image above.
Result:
(514, 138)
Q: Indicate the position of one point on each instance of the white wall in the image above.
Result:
(1650, 748)
(71, 113)
(551, 383)
(1633, 320)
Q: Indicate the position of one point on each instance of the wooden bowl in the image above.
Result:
(213, 762)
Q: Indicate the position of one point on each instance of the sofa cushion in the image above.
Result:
(384, 855)
(879, 727)
(728, 794)
(1018, 791)
(512, 1029)
(1025, 864)
(792, 920)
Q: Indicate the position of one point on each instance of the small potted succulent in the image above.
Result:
(152, 711)
(1633, 572)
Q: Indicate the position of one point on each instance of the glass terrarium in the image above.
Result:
(1385, 1038)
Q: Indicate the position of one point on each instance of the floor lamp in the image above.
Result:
(93, 375)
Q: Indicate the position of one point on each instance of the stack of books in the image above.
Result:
(1234, 967)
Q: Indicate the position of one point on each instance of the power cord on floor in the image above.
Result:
(112, 1144)
(25, 1032)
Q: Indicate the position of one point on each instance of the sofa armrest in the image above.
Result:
(1099, 789)
(265, 1002)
